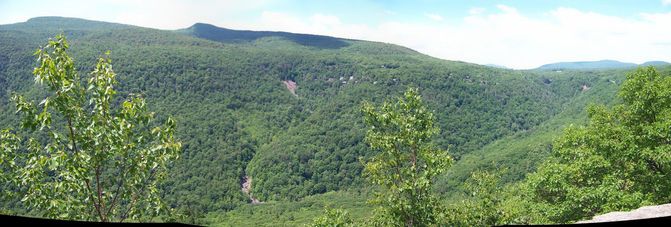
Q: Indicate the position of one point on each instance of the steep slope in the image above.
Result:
(515, 155)
(236, 118)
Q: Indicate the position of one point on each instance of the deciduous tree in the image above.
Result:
(619, 161)
(87, 156)
(407, 161)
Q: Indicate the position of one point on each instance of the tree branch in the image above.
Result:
(101, 203)
(116, 192)
(88, 186)
(132, 203)
(72, 135)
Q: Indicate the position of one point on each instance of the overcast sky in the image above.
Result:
(516, 34)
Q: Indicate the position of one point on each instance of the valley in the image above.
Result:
(270, 122)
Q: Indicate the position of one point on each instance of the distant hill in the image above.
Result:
(497, 66)
(65, 24)
(656, 63)
(214, 33)
(603, 64)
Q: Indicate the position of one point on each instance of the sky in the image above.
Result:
(515, 34)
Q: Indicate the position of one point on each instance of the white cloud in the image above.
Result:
(174, 14)
(506, 36)
(666, 2)
(162, 14)
(506, 9)
(476, 10)
(327, 20)
(434, 16)
(389, 12)
(277, 21)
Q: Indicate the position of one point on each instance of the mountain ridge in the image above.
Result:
(601, 64)
(225, 35)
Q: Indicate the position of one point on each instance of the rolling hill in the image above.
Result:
(656, 63)
(237, 119)
(585, 65)
(598, 65)
(211, 32)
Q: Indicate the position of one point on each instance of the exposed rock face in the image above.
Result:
(291, 85)
(247, 187)
(584, 87)
(640, 213)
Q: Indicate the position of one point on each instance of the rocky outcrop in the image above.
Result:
(584, 87)
(640, 213)
(247, 189)
(291, 85)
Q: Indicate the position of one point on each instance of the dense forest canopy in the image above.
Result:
(89, 159)
(237, 120)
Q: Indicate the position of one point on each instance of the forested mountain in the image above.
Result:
(211, 32)
(603, 64)
(239, 115)
(598, 65)
(655, 63)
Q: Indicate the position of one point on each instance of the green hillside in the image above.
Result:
(236, 117)
(520, 153)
